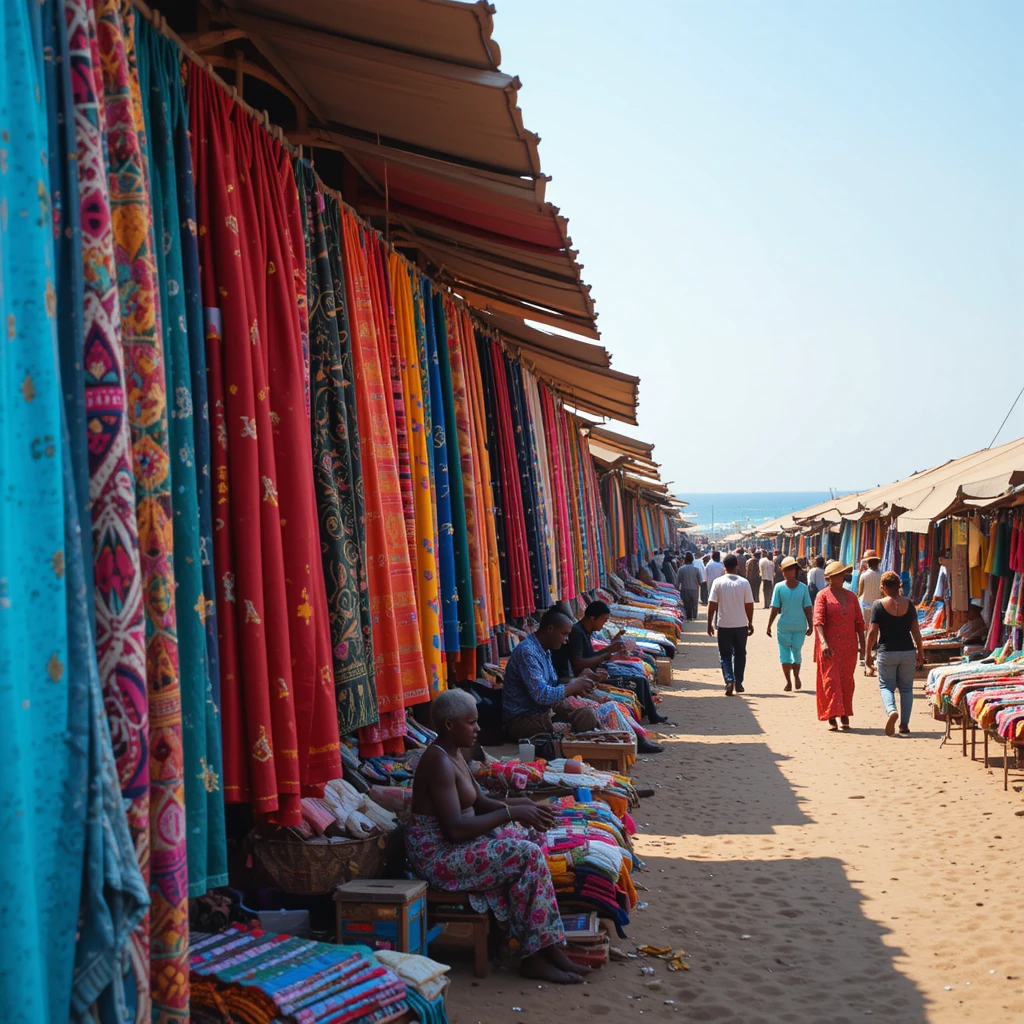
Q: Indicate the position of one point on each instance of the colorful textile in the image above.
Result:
(173, 203)
(336, 458)
(503, 870)
(398, 663)
(408, 326)
(148, 419)
(841, 617)
(446, 557)
(35, 957)
(280, 722)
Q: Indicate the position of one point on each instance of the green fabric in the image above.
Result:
(167, 132)
(336, 457)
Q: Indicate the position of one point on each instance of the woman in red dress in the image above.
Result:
(838, 645)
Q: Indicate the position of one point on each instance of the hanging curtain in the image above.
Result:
(173, 203)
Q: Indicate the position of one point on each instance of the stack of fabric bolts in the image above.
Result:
(257, 977)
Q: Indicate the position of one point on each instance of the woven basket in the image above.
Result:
(313, 867)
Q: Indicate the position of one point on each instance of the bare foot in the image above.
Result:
(833, 727)
(788, 687)
(539, 967)
(558, 956)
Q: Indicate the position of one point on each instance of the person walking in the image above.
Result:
(689, 581)
(838, 645)
(791, 605)
(895, 627)
(713, 570)
(767, 569)
(816, 578)
(753, 573)
(731, 604)
(702, 565)
(869, 589)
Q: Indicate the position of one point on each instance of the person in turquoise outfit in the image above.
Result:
(791, 605)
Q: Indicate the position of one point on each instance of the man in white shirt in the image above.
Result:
(767, 567)
(713, 569)
(816, 577)
(731, 604)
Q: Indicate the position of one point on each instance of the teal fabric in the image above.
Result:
(791, 603)
(38, 901)
(166, 130)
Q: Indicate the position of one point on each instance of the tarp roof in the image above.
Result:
(982, 478)
(411, 92)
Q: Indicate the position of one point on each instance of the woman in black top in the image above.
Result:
(894, 627)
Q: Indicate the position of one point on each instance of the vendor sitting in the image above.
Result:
(974, 630)
(578, 654)
(532, 697)
(459, 840)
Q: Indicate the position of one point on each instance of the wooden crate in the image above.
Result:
(609, 757)
(383, 913)
(664, 668)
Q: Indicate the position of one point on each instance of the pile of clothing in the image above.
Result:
(513, 776)
(256, 977)
(590, 857)
(425, 982)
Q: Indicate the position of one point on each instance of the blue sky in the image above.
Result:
(803, 223)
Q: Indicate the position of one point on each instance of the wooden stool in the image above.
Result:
(461, 926)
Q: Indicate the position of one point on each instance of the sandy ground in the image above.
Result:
(809, 875)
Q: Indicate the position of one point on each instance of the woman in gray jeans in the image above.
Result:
(894, 627)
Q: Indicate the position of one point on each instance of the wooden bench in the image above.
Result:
(461, 927)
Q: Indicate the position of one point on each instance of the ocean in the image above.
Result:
(747, 509)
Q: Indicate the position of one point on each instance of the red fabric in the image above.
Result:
(276, 666)
(399, 673)
(841, 617)
(566, 576)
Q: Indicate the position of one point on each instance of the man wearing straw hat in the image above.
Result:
(838, 644)
(791, 605)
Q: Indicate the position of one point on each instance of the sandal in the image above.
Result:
(845, 722)
(832, 726)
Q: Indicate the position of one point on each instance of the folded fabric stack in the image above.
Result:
(590, 861)
(257, 977)
(421, 973)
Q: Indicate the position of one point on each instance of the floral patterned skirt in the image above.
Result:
(503, 870)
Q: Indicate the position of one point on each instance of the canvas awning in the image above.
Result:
(579, 370)
(411, 93)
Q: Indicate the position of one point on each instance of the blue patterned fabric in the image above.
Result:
(38, 902)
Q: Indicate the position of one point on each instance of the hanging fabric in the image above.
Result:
(173, 203)
(336, 458)
(398, 662)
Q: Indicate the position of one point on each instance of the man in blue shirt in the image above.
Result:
(531, 695)
(791, 605)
